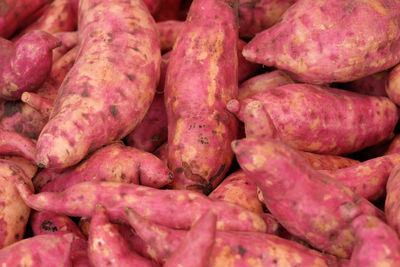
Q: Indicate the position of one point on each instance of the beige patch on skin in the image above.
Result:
(286, 256)
(377, 6)
(223, 258)
(26, 260)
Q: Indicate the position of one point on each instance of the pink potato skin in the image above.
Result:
(263, 83)
(38, 251)
(394, 146)
(13, 143)
(111, 85)
(25, 65)
(196, 246)
(321, 42)
(14, 213)
(314, 207)
(230, 248)
(392, 203)
(327, 162)
(21, 118)
(256, 16)
(162, 153)
(246, 68)
(13, 14)
(393, 85)
(169, 31)
(201, 79)
(367, 179)
(43, 223)
(376, 243)
(39, 103)
(69, 40)
(326, 120)
(107, 247)
(374, 85)
(239, 189)
(58, 17)
(184, 206)
(114, 163)
(168, 10)
(26, 165)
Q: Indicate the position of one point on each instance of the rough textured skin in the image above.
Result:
(13, 13)
(392, 203)
(196, 246)
(114, 163)
(237, 188)
(394, 146)
(393, 85)
(25, 65)
(69, 40)
(256, 16)
(13, 143)
(39, 251)
(26, 165)
(184, 206)
(107, 247)
(201, 79)
(374, 84)
(325, 120)
(327, 162)
(58, 17)
(169, 31)
(246, 68)
(322, 41)
(376, 243)
(111, 85)
(14, 213)
(21, 118)
(367, 179)
(307, 203)
(230, 248)
(43, 223)
(263, 82)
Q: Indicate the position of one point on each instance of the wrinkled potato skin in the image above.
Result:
(111, 85)
(321, 42)
(201, 79)
(314, 207)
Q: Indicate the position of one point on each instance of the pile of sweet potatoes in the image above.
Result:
(199, 133)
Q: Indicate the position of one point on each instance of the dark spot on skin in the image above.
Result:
(17, 236)
(48, 226)
(130, 77)
(155, 138)
(85, 92)
(241, 250)
(294, 203)
(123, 176)
(113, 110)
(170, 176)
(119, 91)
(18, 128)
(219, 172)
(333, 236)
(122, 194)
(21, 218)
(10, 108)
(59, 44)
(214, 132)
(275, 261)
(179, 170)
(41, 165)
(207, 189)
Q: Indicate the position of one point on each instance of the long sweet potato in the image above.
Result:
(307, 203)
(111, 85)
(376, 243)
(230, 248)
(321, 41)
(13, 143)
(25, 65)
(324, 120)
(114, 163)
(201, 79)
(184, 206)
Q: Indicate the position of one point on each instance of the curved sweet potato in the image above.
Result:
(322, 41)
(26, 165)
(313, 206)
(13, 143)
(111, 85)
(201, 78)
(68, 39)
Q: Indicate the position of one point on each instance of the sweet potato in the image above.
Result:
(14, 213)
(183, 206)
(230, 248)
(394, 146)
(58, 17)
(26, 165)
(169, 31)
(367, 179)
(324, 120)
(13, 143)
(376, 243)
(393, 85)
(42, 250)
(374, 84)
(246, 68)
(256, 16)
(111, 85)
(237, 188)
(392, 203)
(321, 42)
(69, 40)
(201, 79)
(106, 245)
(313, 206)
(114, 163)
(162, 153)
(13, 14)
(21, 118)
(25, 65)
(263, 83)
(39, 103)
(196, 246)
(327, 162)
